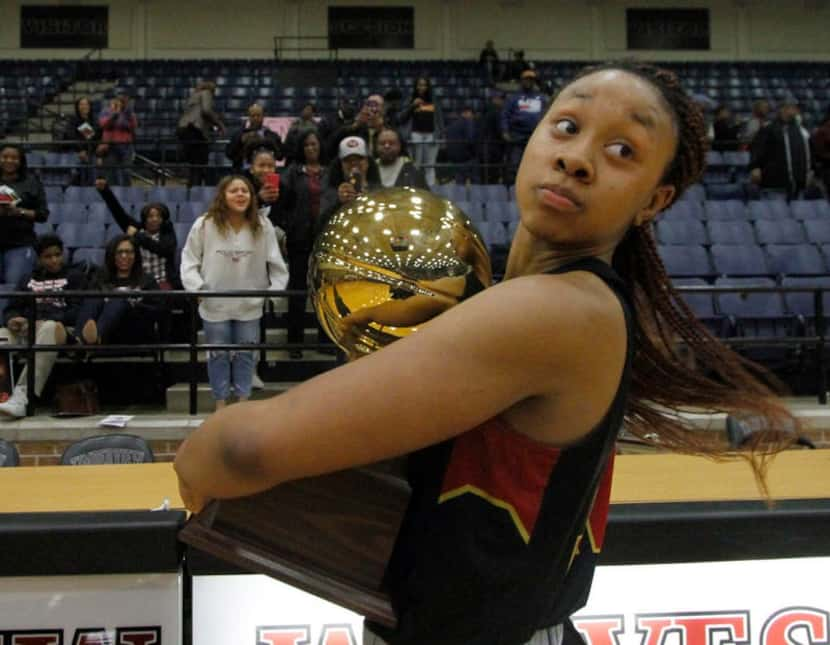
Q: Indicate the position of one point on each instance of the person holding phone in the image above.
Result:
(118, 124)
(82, 135)
(352, 173)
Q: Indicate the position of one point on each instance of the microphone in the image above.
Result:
(356, 180)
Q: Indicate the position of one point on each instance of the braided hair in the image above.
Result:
(663, 384)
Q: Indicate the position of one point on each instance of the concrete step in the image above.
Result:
(178, 396)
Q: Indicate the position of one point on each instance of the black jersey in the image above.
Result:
(502, 532)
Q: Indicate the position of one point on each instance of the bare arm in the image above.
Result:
(528, 337)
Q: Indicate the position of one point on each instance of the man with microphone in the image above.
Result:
(355, 173)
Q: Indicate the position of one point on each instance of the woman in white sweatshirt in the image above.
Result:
(232, 247)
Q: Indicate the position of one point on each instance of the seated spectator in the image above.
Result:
(194, 130)
(352, 173)
(118, 124)
(120, 320)
(726, 130)
(253, 134)
(462, 144)
(153, 233)
(308, 122)
(53, 316)
(367, 125)
(82, 135)
(22, 203)
(394, 165)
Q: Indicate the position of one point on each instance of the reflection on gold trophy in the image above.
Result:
(390, 261)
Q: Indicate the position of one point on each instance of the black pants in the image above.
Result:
(196, 153)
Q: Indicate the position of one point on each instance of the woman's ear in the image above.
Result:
(660, 198)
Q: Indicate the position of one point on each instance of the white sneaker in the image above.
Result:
(256, 382)
(15, 407)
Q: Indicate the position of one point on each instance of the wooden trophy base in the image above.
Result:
(331, 535)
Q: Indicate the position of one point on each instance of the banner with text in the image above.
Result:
(371, 27)
(50, 27)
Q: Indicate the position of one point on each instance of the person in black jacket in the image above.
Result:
(780, 155)
(352, 173)
(53, 315)
(22, 203)
(394, 165)
(82, 134)
(119, 320)
(253, 134)
(153, 234)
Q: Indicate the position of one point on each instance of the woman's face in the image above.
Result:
(263, 163)
(152, 223)
(311, 149)
(124, 257)
(84, 107)
(237, 196)
(594, 164)
(389, 146)
(9, 161)
(421, 86)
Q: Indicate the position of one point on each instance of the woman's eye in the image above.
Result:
(567, 126)
(622, 150)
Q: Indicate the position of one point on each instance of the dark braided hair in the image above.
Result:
(663, 384)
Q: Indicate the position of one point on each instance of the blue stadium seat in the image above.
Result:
(727, 209)
(804, 209)
(42, 228)
(113, 231)
(681, 230)
(81, 194)
(686, 261)
(182, 229)
(473, 210)
(488, 193)
(189, 211)
(495, 234)
(129, 194)
(735, 158)
(500, 211)
(731, 232)
(454, 192)
(795, 259)
(803, 305)
(755, 314)
(99, 210)
(54, 194)
(167, 194)
(202, 194)
(75, 235)
(98, 219)
(701, 304)
(739, 260)
(92, 255)
(769, 209)
(818, 230)
(725, 191)
(60, 213)
(785, 231)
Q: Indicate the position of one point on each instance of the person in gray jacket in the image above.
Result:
(194, 129)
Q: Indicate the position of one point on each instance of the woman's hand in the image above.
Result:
(101, 184)
(131, 230)
(268, 194)
(346, 192)
(83, 156)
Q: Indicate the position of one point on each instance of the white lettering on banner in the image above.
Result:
(726, 628)
(781, 627)
(283, 635)
(600, 630)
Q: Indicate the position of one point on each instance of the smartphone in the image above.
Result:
(272, 180)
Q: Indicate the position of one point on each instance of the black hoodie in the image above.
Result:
(19, 230)
(63, 310)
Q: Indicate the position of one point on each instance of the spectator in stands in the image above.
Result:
(780, 155)
(367, 124)
(521, 113)
(489, 61)
(252, 135)
(392, 100)
(301, 191)
(758, 120)
(726, 130)
(153, 234)
(492, 141)
(118, 125)
(22, 203)
(394, 165)
(232, 246)
(194, 129)
(462, 146)
(354, 172)
(261, 162)
(53, 316)
(518, 65)
(309, 121)
(427, 127)
(83, 133)
(120, 320)
(820, 142)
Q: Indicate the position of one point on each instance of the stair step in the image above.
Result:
(178, 396)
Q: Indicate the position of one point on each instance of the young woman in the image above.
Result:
(82, 130)
(299, 214)
(427, 126)
(53, 316)
(22, 203)
(232, 246)
(120, 320)
(118, 127)
(513, 399)
(394, 165)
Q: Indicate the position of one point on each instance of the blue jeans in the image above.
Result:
(231, 369)
(119, 157)
(16, 263)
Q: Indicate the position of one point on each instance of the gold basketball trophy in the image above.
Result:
(383, 265)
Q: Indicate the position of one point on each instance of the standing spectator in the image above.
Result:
(194, 130)
(153, 234)
(308, 122)
(83, 133)
(53, 316)
(726, 130)
(780, 155)
(367, 124)
(427, 126)
(118, 124)
(518, 65)
(22, 203)
(394, 165)
(254, 133)
(232, 246)
(119, 320)
(261, 162)
(521, 113)
(301, 191)
(820, 142)
(352, 173)
(462, 143)
(392, 106)
(492, 144)
(489, 61)
(758, 120)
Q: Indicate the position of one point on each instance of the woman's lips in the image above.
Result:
(558, 201)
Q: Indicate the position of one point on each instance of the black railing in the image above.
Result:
(817, 341)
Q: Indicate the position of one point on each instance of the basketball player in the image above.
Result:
(510, 402)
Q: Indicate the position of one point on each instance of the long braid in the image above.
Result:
(662, 384)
